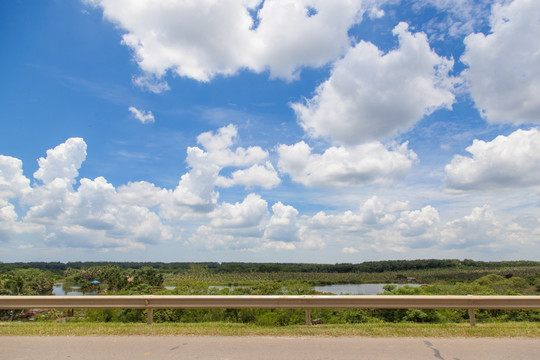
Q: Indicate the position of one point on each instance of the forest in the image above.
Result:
(430, 277)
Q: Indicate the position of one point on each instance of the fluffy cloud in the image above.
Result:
(371, 215)
(12, 181)
(264, 176)
(218, 149)
(247, 214)
(283, 226)
(248, 226)
(196, 189)
(380, 226)
(62, 162)
(482, 231)
(511, 161)
(418, 222)
(504, 66)
(82, 213)
(10, 226)
(238, 226)
(145, 117)
(92, 215)
(203, 39)
(371, 95)
(345, 166)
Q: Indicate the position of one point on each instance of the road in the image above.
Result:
(240, 348)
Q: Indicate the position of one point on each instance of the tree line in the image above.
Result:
(248, 267)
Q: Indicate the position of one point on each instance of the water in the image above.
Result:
(58, 289)
(357, 289)
(341, 289)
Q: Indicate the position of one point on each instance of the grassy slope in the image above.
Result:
(521, 329)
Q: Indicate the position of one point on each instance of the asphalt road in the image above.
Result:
(240, 348)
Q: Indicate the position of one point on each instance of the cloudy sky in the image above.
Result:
(276, 130)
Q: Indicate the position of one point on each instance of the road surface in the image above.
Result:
(240, 348)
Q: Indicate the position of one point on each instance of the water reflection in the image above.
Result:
(357, 289)
(60, 290)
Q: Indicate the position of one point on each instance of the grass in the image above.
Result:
(514, 329)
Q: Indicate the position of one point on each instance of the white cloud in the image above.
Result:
(62, 162)
(10, 226)
(504, 66)
(418, 222)
(482, 231)
(456, 17)
(206, 38)
(511, 161)
(145, 117)
(196, 189)
(375, 13)
(379, 226)
(151, 83)
(257, 175)
(141, 193)
(96, 215)
(372, 214)
(12, 181)
(218, 148)
(92, 215)
(247, 214)
(370, 95)
(283, 226)
(345, 166)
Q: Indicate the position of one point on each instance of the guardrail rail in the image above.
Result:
(307, 302)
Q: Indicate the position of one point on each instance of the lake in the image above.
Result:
(357, 289)
(58, 289)
(340, 289)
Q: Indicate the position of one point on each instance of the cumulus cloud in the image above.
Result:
(62, 162)
(511, 161)
(380, 226)
(264, 176)
(65, 211)
(418, 222)
(238, 226)
(283, 226)
(482, 231)
(203, 39)
(196, 188)
(92, 215)
(12, 181)
(372, 214)
(145, 117)
(504, 66)
(345, 166)
(370, 95)
(247, 214)
(248, 226)
(11, 226)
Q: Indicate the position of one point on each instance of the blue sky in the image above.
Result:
(279, 131)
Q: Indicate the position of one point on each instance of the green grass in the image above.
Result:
(516, 329)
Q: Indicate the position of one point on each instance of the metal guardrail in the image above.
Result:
(307, 302)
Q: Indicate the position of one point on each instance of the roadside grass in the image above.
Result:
(510, 329)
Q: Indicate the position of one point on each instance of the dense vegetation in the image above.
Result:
(236, 267)
(441, 277)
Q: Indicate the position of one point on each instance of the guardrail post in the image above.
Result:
(308, 316)
(472, 317)
(150, 313)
